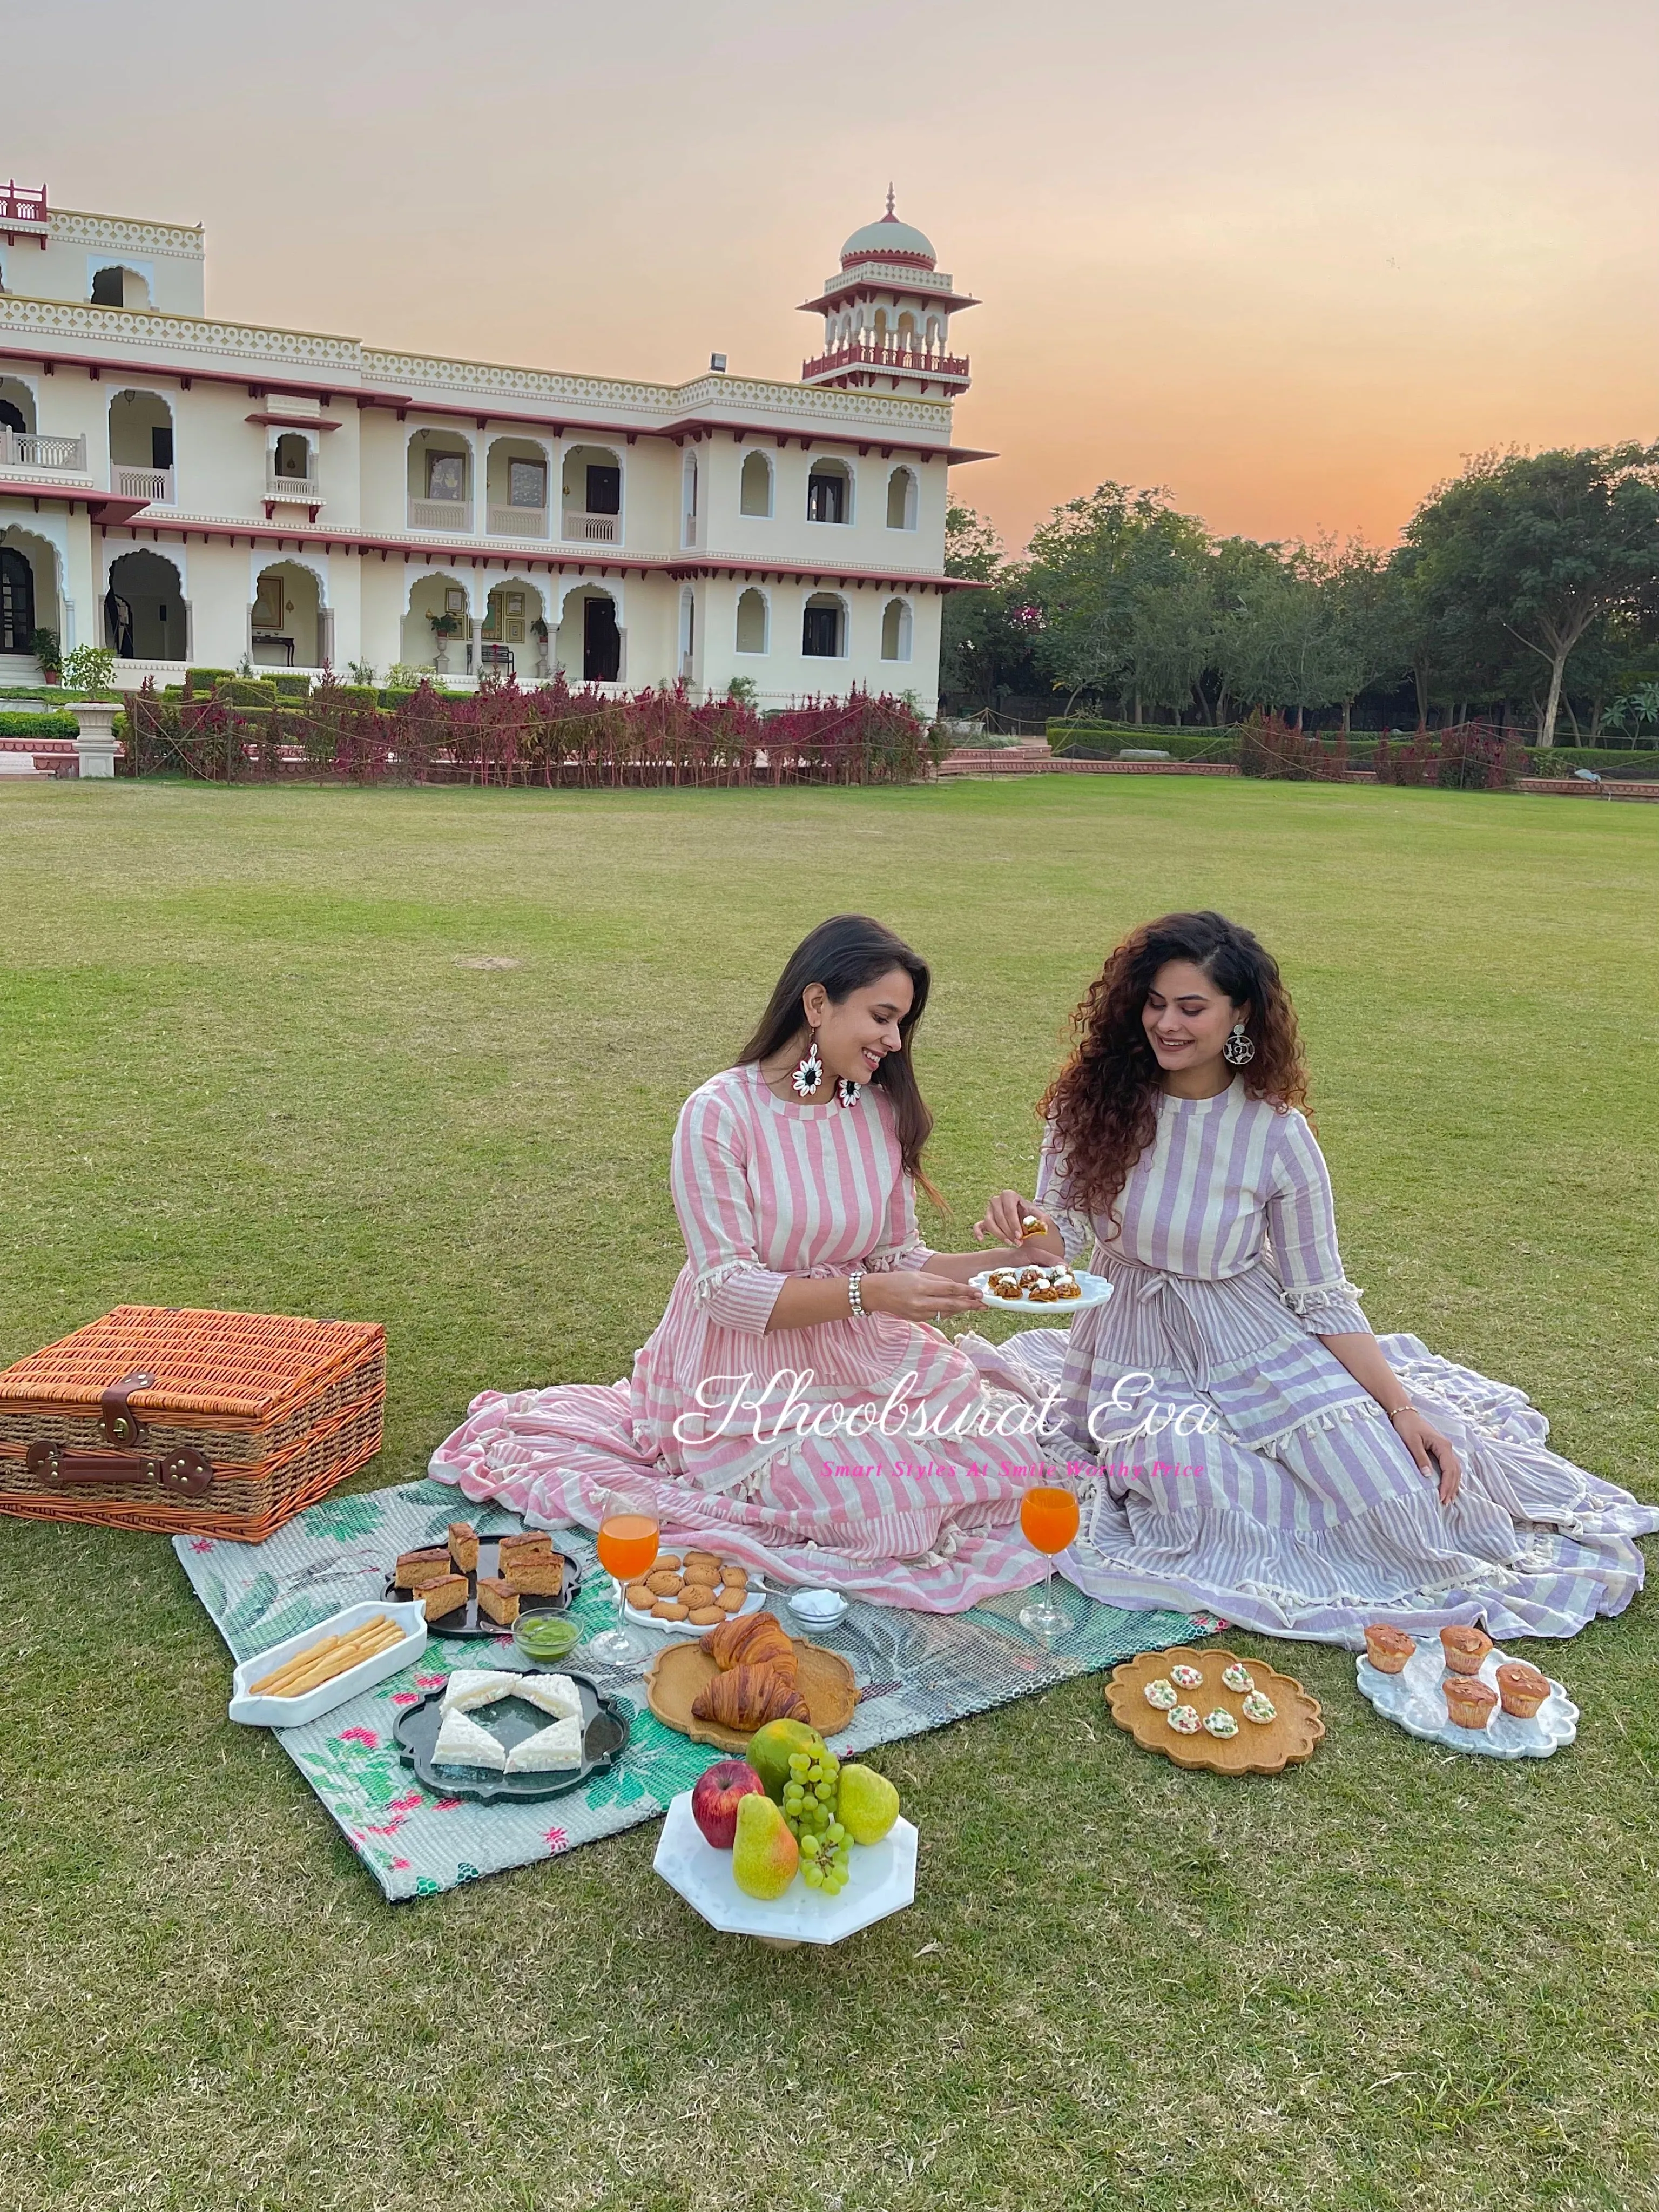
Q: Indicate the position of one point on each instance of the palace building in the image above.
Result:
(196, 492)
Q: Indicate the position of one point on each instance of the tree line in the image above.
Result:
(1525, 590)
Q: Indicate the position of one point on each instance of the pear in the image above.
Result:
(764, 1855)
(869, 1804)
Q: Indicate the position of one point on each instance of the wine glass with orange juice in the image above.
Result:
(627, 1544)
(1049, 1521)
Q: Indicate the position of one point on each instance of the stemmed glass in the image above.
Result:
(1049, 1521)
(627, 1544)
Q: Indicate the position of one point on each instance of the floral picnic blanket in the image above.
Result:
(916, 1671)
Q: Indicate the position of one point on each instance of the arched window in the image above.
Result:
(116, 286)
(829, 492)
(16, 406)
(824, 627)
(144, 617)
(16, 601)
(896, 630)
(751, 621)
(140, 449)
(901, 500)
(292, 457)
(755, 485)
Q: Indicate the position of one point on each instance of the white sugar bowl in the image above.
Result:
(819, 1608)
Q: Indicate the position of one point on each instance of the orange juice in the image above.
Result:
(628, 1543)
(1049, 1517)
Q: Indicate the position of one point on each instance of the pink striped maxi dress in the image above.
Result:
(1239, 1466)
(796, 1451)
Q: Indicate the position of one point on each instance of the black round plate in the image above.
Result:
(606, 1723)
(466, 1620)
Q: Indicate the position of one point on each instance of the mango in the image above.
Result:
(764, 1856)
(770, 1748)
(869, 1804)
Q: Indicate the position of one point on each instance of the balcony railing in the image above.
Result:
(591, 529)
(155, 485)
(517, 522)
(453, 515)
(902, 361)
(302, 492)
(21, 449)
(23, 204)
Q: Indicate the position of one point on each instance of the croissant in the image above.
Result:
(746, 1698)
(755, 1639)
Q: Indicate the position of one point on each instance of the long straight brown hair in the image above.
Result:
(846, 954)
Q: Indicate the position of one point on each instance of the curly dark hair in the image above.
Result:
(1104, 1102)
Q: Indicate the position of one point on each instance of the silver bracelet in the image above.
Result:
(856, 1294)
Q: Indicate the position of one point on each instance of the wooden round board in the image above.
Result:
(1258, 1748)
(681, 1671)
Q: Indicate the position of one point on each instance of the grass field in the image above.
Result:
(244, 1063)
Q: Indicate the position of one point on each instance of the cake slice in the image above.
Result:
(464, 1546)
(419, 1570)
(530, 1543)
(462, 1742)
(497, 1597)
(558, 1745)
(445, 1596)
(532, 1576)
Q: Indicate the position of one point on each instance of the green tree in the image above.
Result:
(984, 652)
(1541, 548)
(1096, 566)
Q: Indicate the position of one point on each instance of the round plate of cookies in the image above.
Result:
(687, 1592)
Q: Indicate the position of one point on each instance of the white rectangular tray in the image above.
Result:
(293, 1712)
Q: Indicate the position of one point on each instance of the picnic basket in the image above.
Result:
(180, 1419)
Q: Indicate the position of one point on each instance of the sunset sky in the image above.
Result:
(1290, 261)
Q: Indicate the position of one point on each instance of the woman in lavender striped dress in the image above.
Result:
(1258, 1452)
(794, 1408)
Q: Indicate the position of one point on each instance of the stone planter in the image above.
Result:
(95, 744)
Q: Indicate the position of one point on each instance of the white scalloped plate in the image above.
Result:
(753, 1603)
(1414, 1698)
(1096, 1291)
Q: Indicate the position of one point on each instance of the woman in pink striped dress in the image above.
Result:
(1259, 1453)
(774, 1413)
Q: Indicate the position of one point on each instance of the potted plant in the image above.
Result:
(47, 649)
(444, 627)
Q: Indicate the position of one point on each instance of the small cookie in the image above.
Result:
(640, 1597)
(666, 1563)
(730, 1600)
(1238, 1677)
(1187, 1678)
(1260, 1709)
(1184, 1720)
(733, 1577)
(703, 1558)
(1161, 1695)
(1221, 1722)
(703, 1578)
(669, 1608)
(664, 1583)
(706, 1616)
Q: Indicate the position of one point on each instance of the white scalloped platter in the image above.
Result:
(753, 1603)
(1096, 1291)
(1414, 1698)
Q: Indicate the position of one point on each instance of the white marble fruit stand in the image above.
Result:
(881, 1880)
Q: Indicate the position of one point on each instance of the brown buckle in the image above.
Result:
(121, 1426)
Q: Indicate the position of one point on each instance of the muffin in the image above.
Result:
(1521, 1688)
(1389, 1648)
(1469, 1702)
(1465, 1648)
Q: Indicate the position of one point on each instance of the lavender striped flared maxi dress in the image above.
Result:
(1239, 1466)
(819, 1476)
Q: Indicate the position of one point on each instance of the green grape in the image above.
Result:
(799, 1762)
(824, 1791)
(811, 1846)
(792, 1793)
(837, 1833)
(813, 1875)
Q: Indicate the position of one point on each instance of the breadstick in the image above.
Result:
(372, 1636)
(337, 1662)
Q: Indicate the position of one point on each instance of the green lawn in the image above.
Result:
(245, 1063)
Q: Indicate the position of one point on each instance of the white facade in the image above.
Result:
(196, 492)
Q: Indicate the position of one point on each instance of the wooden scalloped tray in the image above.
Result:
(1286, 1740)
(680, 1672)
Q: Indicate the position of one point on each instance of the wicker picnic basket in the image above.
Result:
(173, 1419)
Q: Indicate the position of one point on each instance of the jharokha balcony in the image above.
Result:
(21, 449)
(889, 359)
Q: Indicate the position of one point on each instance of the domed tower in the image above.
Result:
(887, 316)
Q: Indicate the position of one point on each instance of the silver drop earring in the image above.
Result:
(809, 1071)
(1240, 1047)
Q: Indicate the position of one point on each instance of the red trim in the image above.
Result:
(867, 288)
(103, 507)
(879, 253)
(292, 422)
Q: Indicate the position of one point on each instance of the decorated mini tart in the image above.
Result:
(1069, 1289)
(1221, 1722)
(1387, 1648)
(1187, 1678)
(1162, 1694)
(1184, 1720)
(1260, 1709)
(1238, 1677)
(1031, 1224)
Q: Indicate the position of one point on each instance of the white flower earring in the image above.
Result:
(1240, 1047)
(809, 1071)
(846, 1094)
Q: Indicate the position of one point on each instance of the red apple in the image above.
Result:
(718, 1793)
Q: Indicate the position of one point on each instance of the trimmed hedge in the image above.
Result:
(199, 681)
(292, 687)
(1108, 744)
(1641, 765)
(38, 725)
(246, 691)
